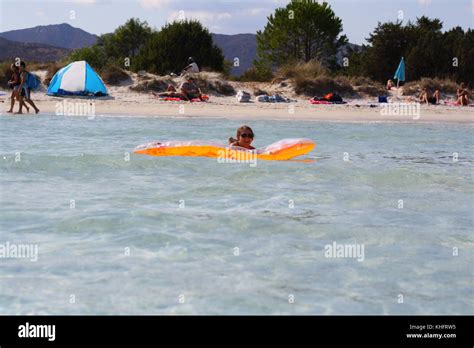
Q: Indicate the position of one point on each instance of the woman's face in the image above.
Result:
(246, 137)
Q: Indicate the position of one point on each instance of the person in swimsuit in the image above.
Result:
(425, 98)
(189, 90)
(244, 138)
(14, 85)
(462, 95)
(24, 90)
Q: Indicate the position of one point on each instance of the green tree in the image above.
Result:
(427, 50)
(126, 41)
(94, 55)
(302, 31)
(168, 50)
(387, 44)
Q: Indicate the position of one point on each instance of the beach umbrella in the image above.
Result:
(400, 73)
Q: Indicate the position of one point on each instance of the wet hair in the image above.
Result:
(240, 130)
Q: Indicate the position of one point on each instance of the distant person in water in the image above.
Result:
(462, 95)
(191, 68)
(425, 98)
(244, 138)
(190, 90)
(24, 90)
(14, 85)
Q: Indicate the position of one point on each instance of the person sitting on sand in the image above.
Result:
(189, 90)
(390, 84)
(425, 98)
(192, 67)
(24, 90)
(14, 84)
(244, 138)
(462, 95)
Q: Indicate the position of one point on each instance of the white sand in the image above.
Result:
(123, 101)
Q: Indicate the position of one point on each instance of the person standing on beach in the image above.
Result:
(14, 84)
(24, 89)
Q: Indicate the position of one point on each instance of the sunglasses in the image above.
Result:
(247, 135)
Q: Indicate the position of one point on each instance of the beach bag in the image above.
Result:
(243, 97)
(263, 98)
(32, 81)
(383, 99)
(328, 97)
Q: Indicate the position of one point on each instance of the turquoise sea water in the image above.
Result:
(159, 235)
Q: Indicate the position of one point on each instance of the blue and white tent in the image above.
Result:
(78, 78)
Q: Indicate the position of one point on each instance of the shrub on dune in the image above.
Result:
(443, 85)
(114, 75)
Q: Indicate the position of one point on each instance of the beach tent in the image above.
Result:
(400, 73)
(78, 78)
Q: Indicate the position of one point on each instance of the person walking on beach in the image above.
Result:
(462, 95)
(24, 89)
(14, 85)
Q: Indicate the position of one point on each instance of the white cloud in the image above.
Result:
(424, 2)
(202, 16)
(84, 1)
(154, 3)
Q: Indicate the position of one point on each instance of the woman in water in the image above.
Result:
(244, 138)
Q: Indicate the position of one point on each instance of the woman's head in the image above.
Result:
(13, 67)
(245, 135)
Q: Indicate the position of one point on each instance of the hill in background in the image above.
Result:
(9, 50)
(241, 46)
(53, 42)
(58, 35)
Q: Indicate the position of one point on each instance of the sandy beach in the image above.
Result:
(125, 102)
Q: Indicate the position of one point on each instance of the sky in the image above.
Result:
(359, 17)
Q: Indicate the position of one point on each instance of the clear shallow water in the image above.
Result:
(189, 250)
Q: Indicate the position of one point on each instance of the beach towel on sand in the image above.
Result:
(325, 102)
(276, 98)
(194, 100)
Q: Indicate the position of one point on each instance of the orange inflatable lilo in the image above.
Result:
(281, 150)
